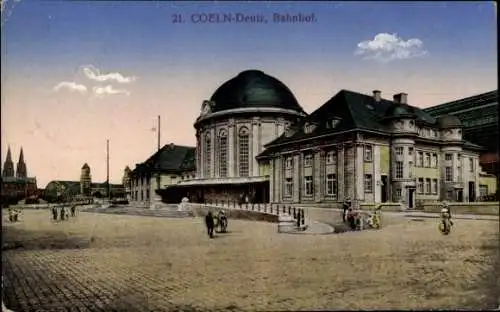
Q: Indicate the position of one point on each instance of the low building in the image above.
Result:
(167, 167)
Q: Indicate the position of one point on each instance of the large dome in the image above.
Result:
(254, 89)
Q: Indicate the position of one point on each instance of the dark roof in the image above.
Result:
(85, 166)
(253, 88)
(465, 103)
(170, 158)
(355, 111)
(448, 121)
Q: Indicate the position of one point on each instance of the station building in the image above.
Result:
(255, 143)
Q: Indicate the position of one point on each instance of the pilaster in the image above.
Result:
(340, 173)
(278, 182)
(377, 178)
(272, 179)
(297, 181)
(231, 129)
(212, 152)
(359, 174)
(254, 143)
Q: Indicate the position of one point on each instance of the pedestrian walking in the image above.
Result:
(62, 214)
(54, 213)
(209, 222)
(73, 209)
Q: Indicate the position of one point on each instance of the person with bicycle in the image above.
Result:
(446, 213)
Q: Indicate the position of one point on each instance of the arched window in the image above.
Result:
(243, 152)
(207, 155)
(222, 153)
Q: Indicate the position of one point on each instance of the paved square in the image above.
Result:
(100, 262)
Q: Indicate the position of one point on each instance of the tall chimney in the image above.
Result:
(377, 95)
(401, 98)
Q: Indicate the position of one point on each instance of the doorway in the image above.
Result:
(472, 191)
(383, 189)
(460, 196)
(411, 198)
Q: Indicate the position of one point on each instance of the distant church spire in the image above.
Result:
(21, 171)
(8, 166)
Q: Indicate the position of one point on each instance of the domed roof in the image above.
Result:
(448, 121)
(252, 89)
(397, 110)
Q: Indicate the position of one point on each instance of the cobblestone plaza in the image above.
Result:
(102, 262)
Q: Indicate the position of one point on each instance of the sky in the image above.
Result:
(76, 73)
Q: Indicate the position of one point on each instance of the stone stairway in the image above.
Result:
(164, 212)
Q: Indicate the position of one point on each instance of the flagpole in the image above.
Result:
(107, 167)
(159, 144)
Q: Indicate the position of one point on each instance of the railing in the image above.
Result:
(274, 209)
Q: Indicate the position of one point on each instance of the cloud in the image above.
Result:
(108, 90)
(95, 74)
(388, 47)
(71, 86)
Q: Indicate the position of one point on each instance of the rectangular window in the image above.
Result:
(447, 157)
(420, 159)
(368, 153)
(448, 174)
(420, 186)
(427, 160)
(308, 160)
(399, 170)
(410, 151)
(471, 164)
(428, 186)
(410, 169)
(288, 162)
(459, 174)
(147, 194)
(483, 190)
(288, 187)
(368, 183)
(434, 186)
(397, 194)
(308, 183)
(434, 160)
(331, 185)
(331, 158)
(399, 151)
(449, 195)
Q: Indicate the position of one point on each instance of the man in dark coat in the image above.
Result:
(345, 207)
(209, 221)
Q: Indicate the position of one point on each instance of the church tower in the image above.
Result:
(8, 166)
(85, 180)
(21, 171)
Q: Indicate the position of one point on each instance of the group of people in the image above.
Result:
(14, 214)
(210, 223)
(350, 215)
(63, 213)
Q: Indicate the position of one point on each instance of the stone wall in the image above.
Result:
(201, 210)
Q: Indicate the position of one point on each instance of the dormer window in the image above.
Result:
(308, 128)
(331, 124)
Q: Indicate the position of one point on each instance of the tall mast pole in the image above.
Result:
(107, 168)
(159, 144)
